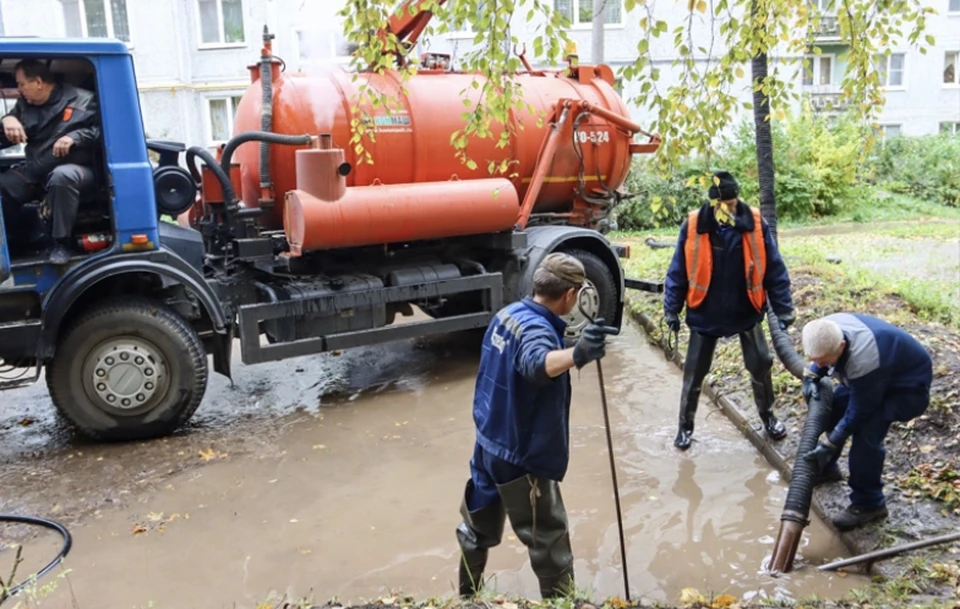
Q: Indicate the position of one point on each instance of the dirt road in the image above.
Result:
(342, 475)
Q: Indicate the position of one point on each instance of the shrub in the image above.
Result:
(926, 166)
(659, 201)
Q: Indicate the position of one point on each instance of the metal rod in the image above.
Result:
(544, 162)
(613, 465)
(888, 552)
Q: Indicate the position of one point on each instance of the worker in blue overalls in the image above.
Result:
(885, 376)
(521, 408)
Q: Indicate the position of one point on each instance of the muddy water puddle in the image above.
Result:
(356, 494)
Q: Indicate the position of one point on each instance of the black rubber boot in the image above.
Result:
(759, 362)
(854, 517)
(538, 518)
(695, 368)
(480, 530)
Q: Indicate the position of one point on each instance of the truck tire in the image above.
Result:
(602, 302)
(128, 371)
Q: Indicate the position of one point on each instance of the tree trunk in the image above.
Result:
(764, 139)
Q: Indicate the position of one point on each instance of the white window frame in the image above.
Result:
(956, 70)
(306, 64)
(108, 15)
(824, 7)
(220, 29)
(952, 127)
(208, 119)
(815, 71)
(903, 80)
(575, 22)
(883, 129)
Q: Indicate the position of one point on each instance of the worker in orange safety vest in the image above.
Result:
(725, 266)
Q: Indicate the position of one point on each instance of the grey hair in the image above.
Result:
(821, 338)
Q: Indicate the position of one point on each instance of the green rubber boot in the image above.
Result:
(538, 518)
(480, 530)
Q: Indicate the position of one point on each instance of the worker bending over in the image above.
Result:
(59, 124)
(724, 267)
(885, 376)
(521, 408)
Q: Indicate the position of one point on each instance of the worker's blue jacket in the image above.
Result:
(886, 370)
(726, 310)
(522, 415)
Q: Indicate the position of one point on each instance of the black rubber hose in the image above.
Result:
(783, 346)
(800, 494)
(258, 136)
(229, 194)
(191, 160)
(650, 241)
(64, 550)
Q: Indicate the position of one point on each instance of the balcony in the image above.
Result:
(828, 30)
(826, 102)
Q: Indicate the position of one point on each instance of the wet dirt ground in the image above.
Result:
(341, 476)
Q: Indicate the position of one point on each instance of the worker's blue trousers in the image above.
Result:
(867, 452)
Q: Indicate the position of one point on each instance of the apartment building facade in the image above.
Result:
(191, 56)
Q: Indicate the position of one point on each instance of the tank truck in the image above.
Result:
(281, 243)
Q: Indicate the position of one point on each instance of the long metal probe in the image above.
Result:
(613, 466)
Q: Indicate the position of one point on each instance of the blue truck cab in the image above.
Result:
(113, 366)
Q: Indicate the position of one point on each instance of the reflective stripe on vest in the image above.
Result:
(699, 258)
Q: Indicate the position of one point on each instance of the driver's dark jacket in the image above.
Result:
(69, 111)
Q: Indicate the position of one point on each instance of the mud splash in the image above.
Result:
(343, 479)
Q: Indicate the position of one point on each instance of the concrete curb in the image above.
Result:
(757, 438)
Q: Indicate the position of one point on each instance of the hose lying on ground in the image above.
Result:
(5, 594)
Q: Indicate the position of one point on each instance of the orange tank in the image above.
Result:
(367, 215)
(413, 142)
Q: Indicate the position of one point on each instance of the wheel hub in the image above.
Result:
(588, 300)
(127, 374)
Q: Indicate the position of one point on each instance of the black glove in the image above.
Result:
(786, 320)
(811, 386)
(673, 321)
(822, 454)
(592, 344)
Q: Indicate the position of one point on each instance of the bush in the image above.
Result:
(817, 174)
(926, 166)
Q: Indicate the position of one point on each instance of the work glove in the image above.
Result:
(811, 386)
(673, 321)
(786, 320)
(592, 344)
(822, 454)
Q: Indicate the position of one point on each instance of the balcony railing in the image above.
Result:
(829, 27)
(822, 102)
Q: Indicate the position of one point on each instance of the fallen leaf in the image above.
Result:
(690, 597)
(319, 446)
(139, 529)
(155, 516)
(841, 573)
(926, 449)
(724, 601)
(26, 422)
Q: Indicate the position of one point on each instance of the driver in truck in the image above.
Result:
(59, 123)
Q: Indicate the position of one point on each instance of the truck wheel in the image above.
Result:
(599, 303)
(128, 371)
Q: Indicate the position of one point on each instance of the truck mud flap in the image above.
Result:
(251, 316)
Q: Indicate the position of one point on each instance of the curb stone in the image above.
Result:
(760, 441)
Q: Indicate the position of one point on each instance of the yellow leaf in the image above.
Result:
(723, 601)
(702, 6)
(739, 72)
(926, 449)
(690, 597)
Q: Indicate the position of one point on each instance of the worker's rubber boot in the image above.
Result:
(480, 530)
(537, 515)
(854, 517)
(695, 368)
(763, 396)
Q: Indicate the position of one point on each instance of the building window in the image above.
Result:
(824, 6)
(466, 27)
(951, 61)
(580, 12)
(221, 111)
(818, 69)
(96, 19)
(954, 6)
(322, 46)
(950, 128)
(890, 131)
(221, 22)
(891, 69)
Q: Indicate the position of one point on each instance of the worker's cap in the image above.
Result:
(564, 267)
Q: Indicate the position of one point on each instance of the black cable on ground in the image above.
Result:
(40, 522)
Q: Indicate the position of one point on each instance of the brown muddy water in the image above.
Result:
(341, 477)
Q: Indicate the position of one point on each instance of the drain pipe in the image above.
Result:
(796, 508)
(266, 118)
